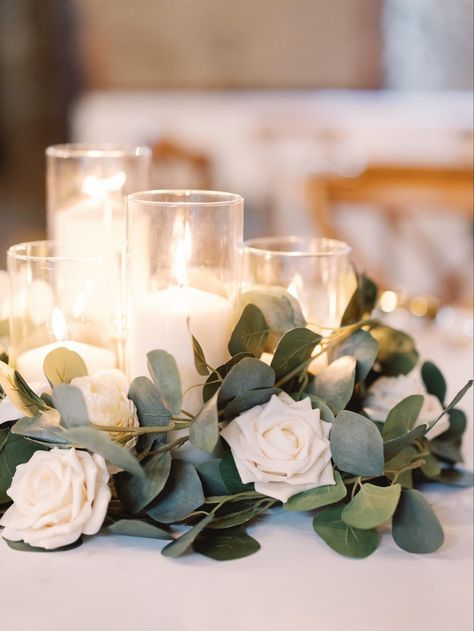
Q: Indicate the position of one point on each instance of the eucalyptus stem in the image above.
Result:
(161, 450)
(138, 431)
(221, 499)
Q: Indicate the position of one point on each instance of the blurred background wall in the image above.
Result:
(265, 97)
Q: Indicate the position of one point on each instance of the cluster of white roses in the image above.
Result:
(282, 446)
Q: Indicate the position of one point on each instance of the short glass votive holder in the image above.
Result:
(183, 262)
(86, 189)
(316, 271)
(57, 301)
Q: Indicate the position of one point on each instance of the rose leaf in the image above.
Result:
(373, 505)
(402, 418)
(164, 373)
(25, 547)
(356, 445)
(415, 527)
(231, 477)
(181, 495)
(247, 400)
(248, 374)
(211, 478)
(342, 538)
(318, 497)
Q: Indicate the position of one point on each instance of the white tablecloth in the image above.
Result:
(295, 582)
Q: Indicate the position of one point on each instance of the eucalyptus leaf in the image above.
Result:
(456, 477)
(164, 373)
(431, 468)
(21, 546)
(44, 427)
(362, 301)
(250, 333)
(62, 365)
(325, 411)
(371, 506)
(248, 400)
(434, 381)
(457, 426)
(402, 418)
(136, 492)
(415, 527)
(150, 409)
(231, 477)
(211, 478)
(395, 445)
(19, 393)
(397, 353)
(335, 384)
(70, 403)
(179, 546)
(318, 497)
(204, 430)
(248, 374)
(138, 528)
(225, 545)
(393, 468)
(363, 347)
(294, 348)
(454, 402)
(241, 516)
(215, 379)
(98, 442)
(356, 445)
(200, 361)
(181, 495)
(342, 538)
(446, 450)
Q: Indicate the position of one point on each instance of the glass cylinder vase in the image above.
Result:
(316, 271)
(57, 301)
(183, 261)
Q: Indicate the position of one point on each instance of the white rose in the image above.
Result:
(282, 446)
(386, 392)
(57, 496)
(107, 403)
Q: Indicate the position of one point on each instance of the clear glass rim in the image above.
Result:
(263, 246)
(97, 150)
(208, 198)
(20, 252)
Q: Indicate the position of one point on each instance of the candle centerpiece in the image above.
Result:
(193, 251)
(45, 316)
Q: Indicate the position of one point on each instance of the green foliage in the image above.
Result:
(434, 381)
(211, 478)
(457, 426)
(44, 428)
(200, 362)
(342, 538)
(316, 498)
(415, 527)
(181, 495)
(21, 546)
(150, 409)
(456, 477)
(248, 374)
(318, 404)
(70, 403)
(356, 445)
(164, 373)
(294, 350)
(371, 506)
(335, 384)
(394, 446)
(63, 365)
(19, 392)
(362, 301)
(402, 418)
(182, 544)
(363, 347)
(230, 475)
(248, 400)
(397, 353)
(137, 491)
(250, 333)
(226, 545)
(215, 379)
(138, 528)
(98, 442)
(15, 450)
(204, 430)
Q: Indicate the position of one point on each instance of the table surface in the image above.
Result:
(295, 581)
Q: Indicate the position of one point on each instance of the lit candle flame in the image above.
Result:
(58, 324)
(182, 251)
(99, 188)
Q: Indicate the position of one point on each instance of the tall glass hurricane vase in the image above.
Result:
(184, 253)
(317, 272)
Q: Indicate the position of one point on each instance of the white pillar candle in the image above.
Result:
(30, 363)
(160, 321)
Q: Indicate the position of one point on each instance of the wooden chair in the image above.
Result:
(397, 192)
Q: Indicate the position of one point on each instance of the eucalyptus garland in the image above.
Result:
(368, 468)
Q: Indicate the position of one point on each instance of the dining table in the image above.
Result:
(295, 582)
